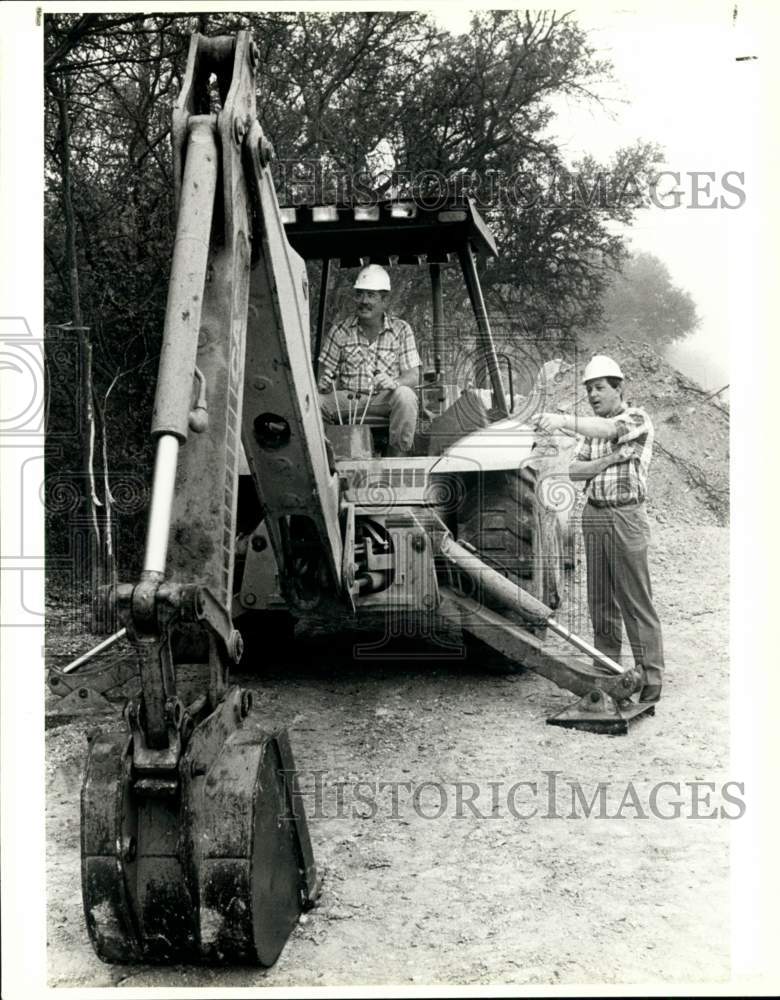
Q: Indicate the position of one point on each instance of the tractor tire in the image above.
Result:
(268, 636)
(502, 518)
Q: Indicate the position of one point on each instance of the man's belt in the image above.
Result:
(614, 503)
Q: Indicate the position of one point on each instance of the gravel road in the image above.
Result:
(457, 881)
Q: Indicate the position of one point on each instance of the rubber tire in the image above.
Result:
(268, 638)
(501, 517)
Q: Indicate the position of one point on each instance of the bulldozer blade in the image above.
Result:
(597, 712)
(213, 865)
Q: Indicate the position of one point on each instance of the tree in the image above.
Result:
(643, 303)
(108, 215)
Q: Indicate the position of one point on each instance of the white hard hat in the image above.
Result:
(600, 366)
(372, 278)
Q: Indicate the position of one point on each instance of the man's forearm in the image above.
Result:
(410, 377)
(593, 427)
(326, 380)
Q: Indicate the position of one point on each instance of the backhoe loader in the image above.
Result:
(194, 842)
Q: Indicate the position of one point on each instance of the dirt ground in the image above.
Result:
(489, 897)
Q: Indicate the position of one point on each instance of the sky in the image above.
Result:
(676, 83)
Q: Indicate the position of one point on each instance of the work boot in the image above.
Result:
(650, 693)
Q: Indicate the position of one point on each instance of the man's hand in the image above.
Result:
(384, 381)
(548, 422)
(329, 402)
(622, 454)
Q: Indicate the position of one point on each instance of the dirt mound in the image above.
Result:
(689, 475)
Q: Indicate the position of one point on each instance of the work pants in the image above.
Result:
(399, 404)
(619, 591)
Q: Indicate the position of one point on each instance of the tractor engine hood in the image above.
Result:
(503, 445)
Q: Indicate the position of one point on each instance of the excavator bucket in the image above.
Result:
(215, 866)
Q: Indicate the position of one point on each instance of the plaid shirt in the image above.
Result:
(351, 360)
(624, 480)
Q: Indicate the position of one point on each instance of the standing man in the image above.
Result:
(372, 354)
(613, 458)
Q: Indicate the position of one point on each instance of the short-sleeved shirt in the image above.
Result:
(623, 481)
(351, 360)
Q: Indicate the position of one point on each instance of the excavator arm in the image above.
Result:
(236, 342)
(194, 840)
(283, 432)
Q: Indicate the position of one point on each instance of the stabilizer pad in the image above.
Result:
(597, 712)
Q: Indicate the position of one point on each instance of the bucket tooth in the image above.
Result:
(597, 712)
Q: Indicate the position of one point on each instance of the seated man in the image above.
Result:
(369, 364)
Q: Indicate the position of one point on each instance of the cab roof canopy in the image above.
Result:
(404, 230)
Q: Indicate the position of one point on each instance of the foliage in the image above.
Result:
(643, 303)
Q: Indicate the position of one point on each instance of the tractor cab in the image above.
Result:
(465, 382)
